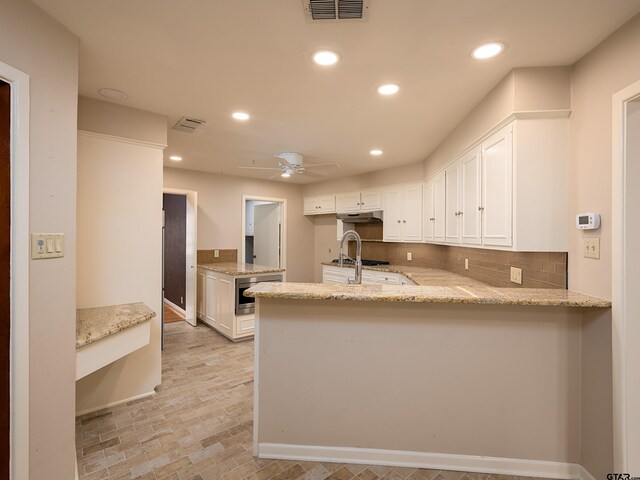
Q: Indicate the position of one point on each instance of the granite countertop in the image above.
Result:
(432, 286)
(93, 324)
(238, 268)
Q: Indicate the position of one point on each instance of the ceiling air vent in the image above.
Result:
(189, 125)
(323, 10)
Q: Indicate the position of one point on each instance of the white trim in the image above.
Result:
(191, 275)
(175, 307)
(435, 461)
(116, 138)
(584, 474)
(256, 378)
(114, 404)
(19, 287)
(618, 275)
(283, 246)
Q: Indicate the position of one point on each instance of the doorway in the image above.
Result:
(5, 275)
(264, 231)
(626, 279)
(179, 256)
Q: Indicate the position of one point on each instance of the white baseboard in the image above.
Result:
(585, 474)
(175, 307)
(435, 461)
(114, 404)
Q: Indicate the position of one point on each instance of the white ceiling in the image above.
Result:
(208, 58)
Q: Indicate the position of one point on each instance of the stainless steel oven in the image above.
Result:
(246, 305)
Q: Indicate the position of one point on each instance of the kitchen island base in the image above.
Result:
(487, 388)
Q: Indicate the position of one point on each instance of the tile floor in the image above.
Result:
(198, 425)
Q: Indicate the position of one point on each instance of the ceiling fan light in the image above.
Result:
(285, 174)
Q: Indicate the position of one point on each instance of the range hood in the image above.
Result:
(364, 217)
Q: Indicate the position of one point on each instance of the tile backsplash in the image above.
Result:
(226, 255)
(539, 269)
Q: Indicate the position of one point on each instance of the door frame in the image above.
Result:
(283, 237)
(191, 290)
(19, 283)
(621, 352)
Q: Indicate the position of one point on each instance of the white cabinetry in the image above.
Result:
(200, 293)
(216, 305)
(509, 191)
(403, 214)
(497, 184)
(366, 201)
(320, 205)
(434, 208)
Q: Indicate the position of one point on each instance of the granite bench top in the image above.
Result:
(93, 324)
(238, 268)
(433, 286)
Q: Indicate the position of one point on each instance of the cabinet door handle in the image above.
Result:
(481, 209)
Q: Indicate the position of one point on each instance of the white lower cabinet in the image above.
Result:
(337, 275)
(216, 297)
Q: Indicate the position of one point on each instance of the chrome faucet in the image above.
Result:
(358, 260)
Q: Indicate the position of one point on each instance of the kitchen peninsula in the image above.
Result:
(460, 377)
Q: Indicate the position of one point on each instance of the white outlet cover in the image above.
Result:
(516, 275)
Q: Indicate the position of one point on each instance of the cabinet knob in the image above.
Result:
(398, 221)
(404, 221)
(460, 213)
(432, 219)
(481, 209)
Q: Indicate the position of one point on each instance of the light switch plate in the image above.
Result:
(592, 248)
(516, 275)
(47, 245)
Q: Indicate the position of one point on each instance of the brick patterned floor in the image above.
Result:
(198, 425)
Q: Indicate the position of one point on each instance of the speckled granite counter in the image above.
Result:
(427, 294)
(93, 324)
(239, 268)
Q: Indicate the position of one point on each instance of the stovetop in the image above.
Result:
(365, 262)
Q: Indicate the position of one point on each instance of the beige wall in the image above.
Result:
(406, 173)
(118, 121)
(522, 90)
(220, 214)
(32, 42)
(611, 66)
(326, 244)
(421, 377)
(120, 243)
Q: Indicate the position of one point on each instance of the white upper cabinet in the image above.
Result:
(470, 217)
(403, 214)
(320, 205)
(434, 208)
(452, 202)
(497, 154)
(366, 201)
(508, 192)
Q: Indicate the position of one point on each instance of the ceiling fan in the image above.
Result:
(293, 163)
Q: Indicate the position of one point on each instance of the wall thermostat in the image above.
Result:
(588, 221)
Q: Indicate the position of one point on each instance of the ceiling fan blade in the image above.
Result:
(320, 165)
(307, 173)
(261, 168)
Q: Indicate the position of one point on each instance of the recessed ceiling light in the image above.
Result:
(242, 116)
(376, 152)
(488, 50)
(113, 94)
(175, 158)
(388, 89)
(325, 58)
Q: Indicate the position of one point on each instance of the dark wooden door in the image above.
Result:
(175, 248)
(5, 252)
